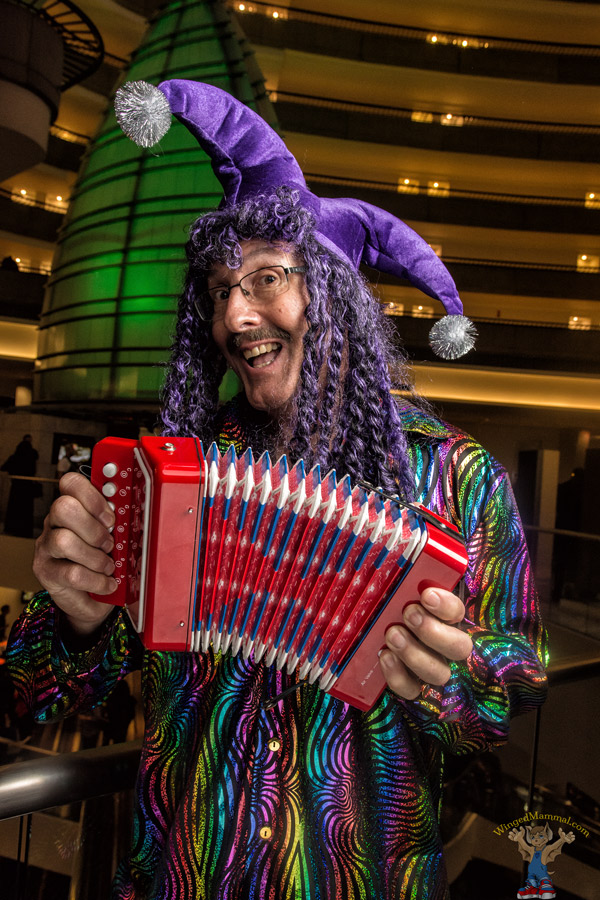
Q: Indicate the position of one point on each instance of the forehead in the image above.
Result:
(255, 253)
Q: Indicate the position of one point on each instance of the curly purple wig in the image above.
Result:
(345, 416)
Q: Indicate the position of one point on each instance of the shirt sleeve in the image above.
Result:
(505, 673)
(54, 682)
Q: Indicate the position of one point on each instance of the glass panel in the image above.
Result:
(147, 330)
(163, 277)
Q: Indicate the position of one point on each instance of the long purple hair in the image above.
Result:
(345, 416)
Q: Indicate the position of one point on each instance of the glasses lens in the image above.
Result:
(204, 307)
(265, 283)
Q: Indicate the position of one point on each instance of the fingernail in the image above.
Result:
(108, 545)
(387, 659)
(112, 586)
(397, 639)
(413, 615)
(433, 599)
(107, 518)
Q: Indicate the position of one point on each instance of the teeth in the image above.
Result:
(258, 351)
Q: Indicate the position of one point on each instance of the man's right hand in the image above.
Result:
(71, 555)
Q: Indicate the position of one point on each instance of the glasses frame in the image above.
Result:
(205, 296)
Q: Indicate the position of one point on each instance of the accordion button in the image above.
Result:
(274, 745)
(265, 832)
(109, 489)
(110, 470)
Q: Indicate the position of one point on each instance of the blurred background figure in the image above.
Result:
(4, 611)
(9, 264)
(19, 511)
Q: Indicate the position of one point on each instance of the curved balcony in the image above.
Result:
(379, 42)
(406, 128)
(568, 215)
(31, 218)
(512, 345)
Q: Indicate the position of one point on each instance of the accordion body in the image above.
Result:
(266, 559)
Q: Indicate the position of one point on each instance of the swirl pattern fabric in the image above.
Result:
(311, 800)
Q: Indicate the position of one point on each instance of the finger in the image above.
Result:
(398, 677)
(425, 664)
(67, 512)
(443, 604)
(439, 636)
(64, 577)
(64, 544)
(76, 485)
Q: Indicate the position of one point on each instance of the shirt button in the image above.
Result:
(265, 832)
(274, 745)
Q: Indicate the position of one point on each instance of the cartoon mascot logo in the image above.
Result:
(534, 845)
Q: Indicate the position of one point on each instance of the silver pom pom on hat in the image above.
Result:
(452, 336)
(249, 158)
(143, 113)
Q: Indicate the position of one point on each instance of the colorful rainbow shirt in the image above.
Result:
(310, 800)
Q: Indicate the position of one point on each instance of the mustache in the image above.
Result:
(258, 334)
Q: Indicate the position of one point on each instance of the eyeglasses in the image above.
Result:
(260, 286)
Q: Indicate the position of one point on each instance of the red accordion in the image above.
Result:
(264, 558)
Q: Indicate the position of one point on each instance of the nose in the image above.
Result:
(240, 312)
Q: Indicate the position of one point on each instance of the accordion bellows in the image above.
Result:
(266, 559)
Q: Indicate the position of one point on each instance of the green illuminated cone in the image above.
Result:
(109, 309)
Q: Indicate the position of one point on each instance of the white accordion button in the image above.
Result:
(109, 489)
(110, 470)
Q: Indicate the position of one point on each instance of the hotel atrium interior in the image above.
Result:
(477, 122)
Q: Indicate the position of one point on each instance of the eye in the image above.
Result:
(219, 294)
(267, 278)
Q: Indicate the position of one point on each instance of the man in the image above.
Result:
(311, 798)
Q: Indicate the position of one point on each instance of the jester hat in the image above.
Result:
(249, 158)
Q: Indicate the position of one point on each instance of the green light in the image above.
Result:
(110, 307)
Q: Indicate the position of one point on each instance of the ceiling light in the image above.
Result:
(418, 116)
(451, 119)
(408, 186)
(579, 323)
(438, 188)
(588, 262)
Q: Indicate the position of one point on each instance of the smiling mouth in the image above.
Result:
(263, 355)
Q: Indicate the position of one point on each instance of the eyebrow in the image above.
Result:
(260, 251)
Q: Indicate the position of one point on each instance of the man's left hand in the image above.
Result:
(419, 649)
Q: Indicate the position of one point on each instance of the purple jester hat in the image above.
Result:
(249, 158)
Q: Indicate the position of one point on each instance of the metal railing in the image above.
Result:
(28, 787)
